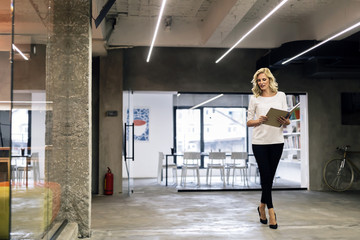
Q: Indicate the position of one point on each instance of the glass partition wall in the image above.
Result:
(5, 116)
(217, 123)
(35, 198)
(206, 123)
(48, 103)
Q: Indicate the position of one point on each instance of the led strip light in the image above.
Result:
(156, 29)
(252, 29)
(20, 52)
(207, 101)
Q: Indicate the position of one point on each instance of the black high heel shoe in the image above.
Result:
(261, 220)
(275, 226)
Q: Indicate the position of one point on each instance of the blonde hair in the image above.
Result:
(272, 82)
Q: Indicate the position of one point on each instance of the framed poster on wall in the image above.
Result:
(141, 124)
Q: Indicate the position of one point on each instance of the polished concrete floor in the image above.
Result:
(157, 212)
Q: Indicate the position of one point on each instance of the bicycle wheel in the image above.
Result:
(338, 175)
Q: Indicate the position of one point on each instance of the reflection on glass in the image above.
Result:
(35, 200)
(5, 108)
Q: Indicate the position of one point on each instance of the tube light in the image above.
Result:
(207, 101)
(18, 50)
(156, 29)
(252, 29)
(321, 43)
(22, 102)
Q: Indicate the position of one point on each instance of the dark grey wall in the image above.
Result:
(189, 69)
(194, 70)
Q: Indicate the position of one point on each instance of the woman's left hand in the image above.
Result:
(283, 121)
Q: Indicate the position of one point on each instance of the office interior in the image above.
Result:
(69, 87)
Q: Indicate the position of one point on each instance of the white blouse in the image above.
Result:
(259, 106)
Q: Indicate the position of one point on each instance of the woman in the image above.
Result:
(267, 141)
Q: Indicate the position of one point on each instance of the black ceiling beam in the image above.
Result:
(104, 11)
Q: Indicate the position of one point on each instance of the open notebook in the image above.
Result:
(273, 114)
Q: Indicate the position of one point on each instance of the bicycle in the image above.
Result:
(339, 173)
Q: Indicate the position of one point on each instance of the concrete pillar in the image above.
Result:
(111, 127)
(68, 123)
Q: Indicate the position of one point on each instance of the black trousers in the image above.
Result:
(267, 158)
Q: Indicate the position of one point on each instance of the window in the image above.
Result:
(187, 131)
(221, 122)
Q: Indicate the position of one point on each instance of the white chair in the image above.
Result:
(256, 173)
(238, 161)
(191, 160)
(162, 166)
(216, 161)
(32, 163)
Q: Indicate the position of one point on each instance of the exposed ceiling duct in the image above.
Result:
(335, 59)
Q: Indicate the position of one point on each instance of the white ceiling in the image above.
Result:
(195, 23)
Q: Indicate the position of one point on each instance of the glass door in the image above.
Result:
(129, 138)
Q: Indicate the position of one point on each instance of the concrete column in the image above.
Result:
(111, 128)
(68, 78)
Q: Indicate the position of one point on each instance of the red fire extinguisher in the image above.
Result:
(109, 180)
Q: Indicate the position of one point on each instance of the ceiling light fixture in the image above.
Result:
(252, 29)
(207, 101)
(35, 102)
(156, 29)
(321, 43)
(18, 50)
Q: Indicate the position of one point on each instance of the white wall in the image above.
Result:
(160, 105)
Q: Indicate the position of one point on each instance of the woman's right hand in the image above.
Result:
(262, 119)
(257, 122)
